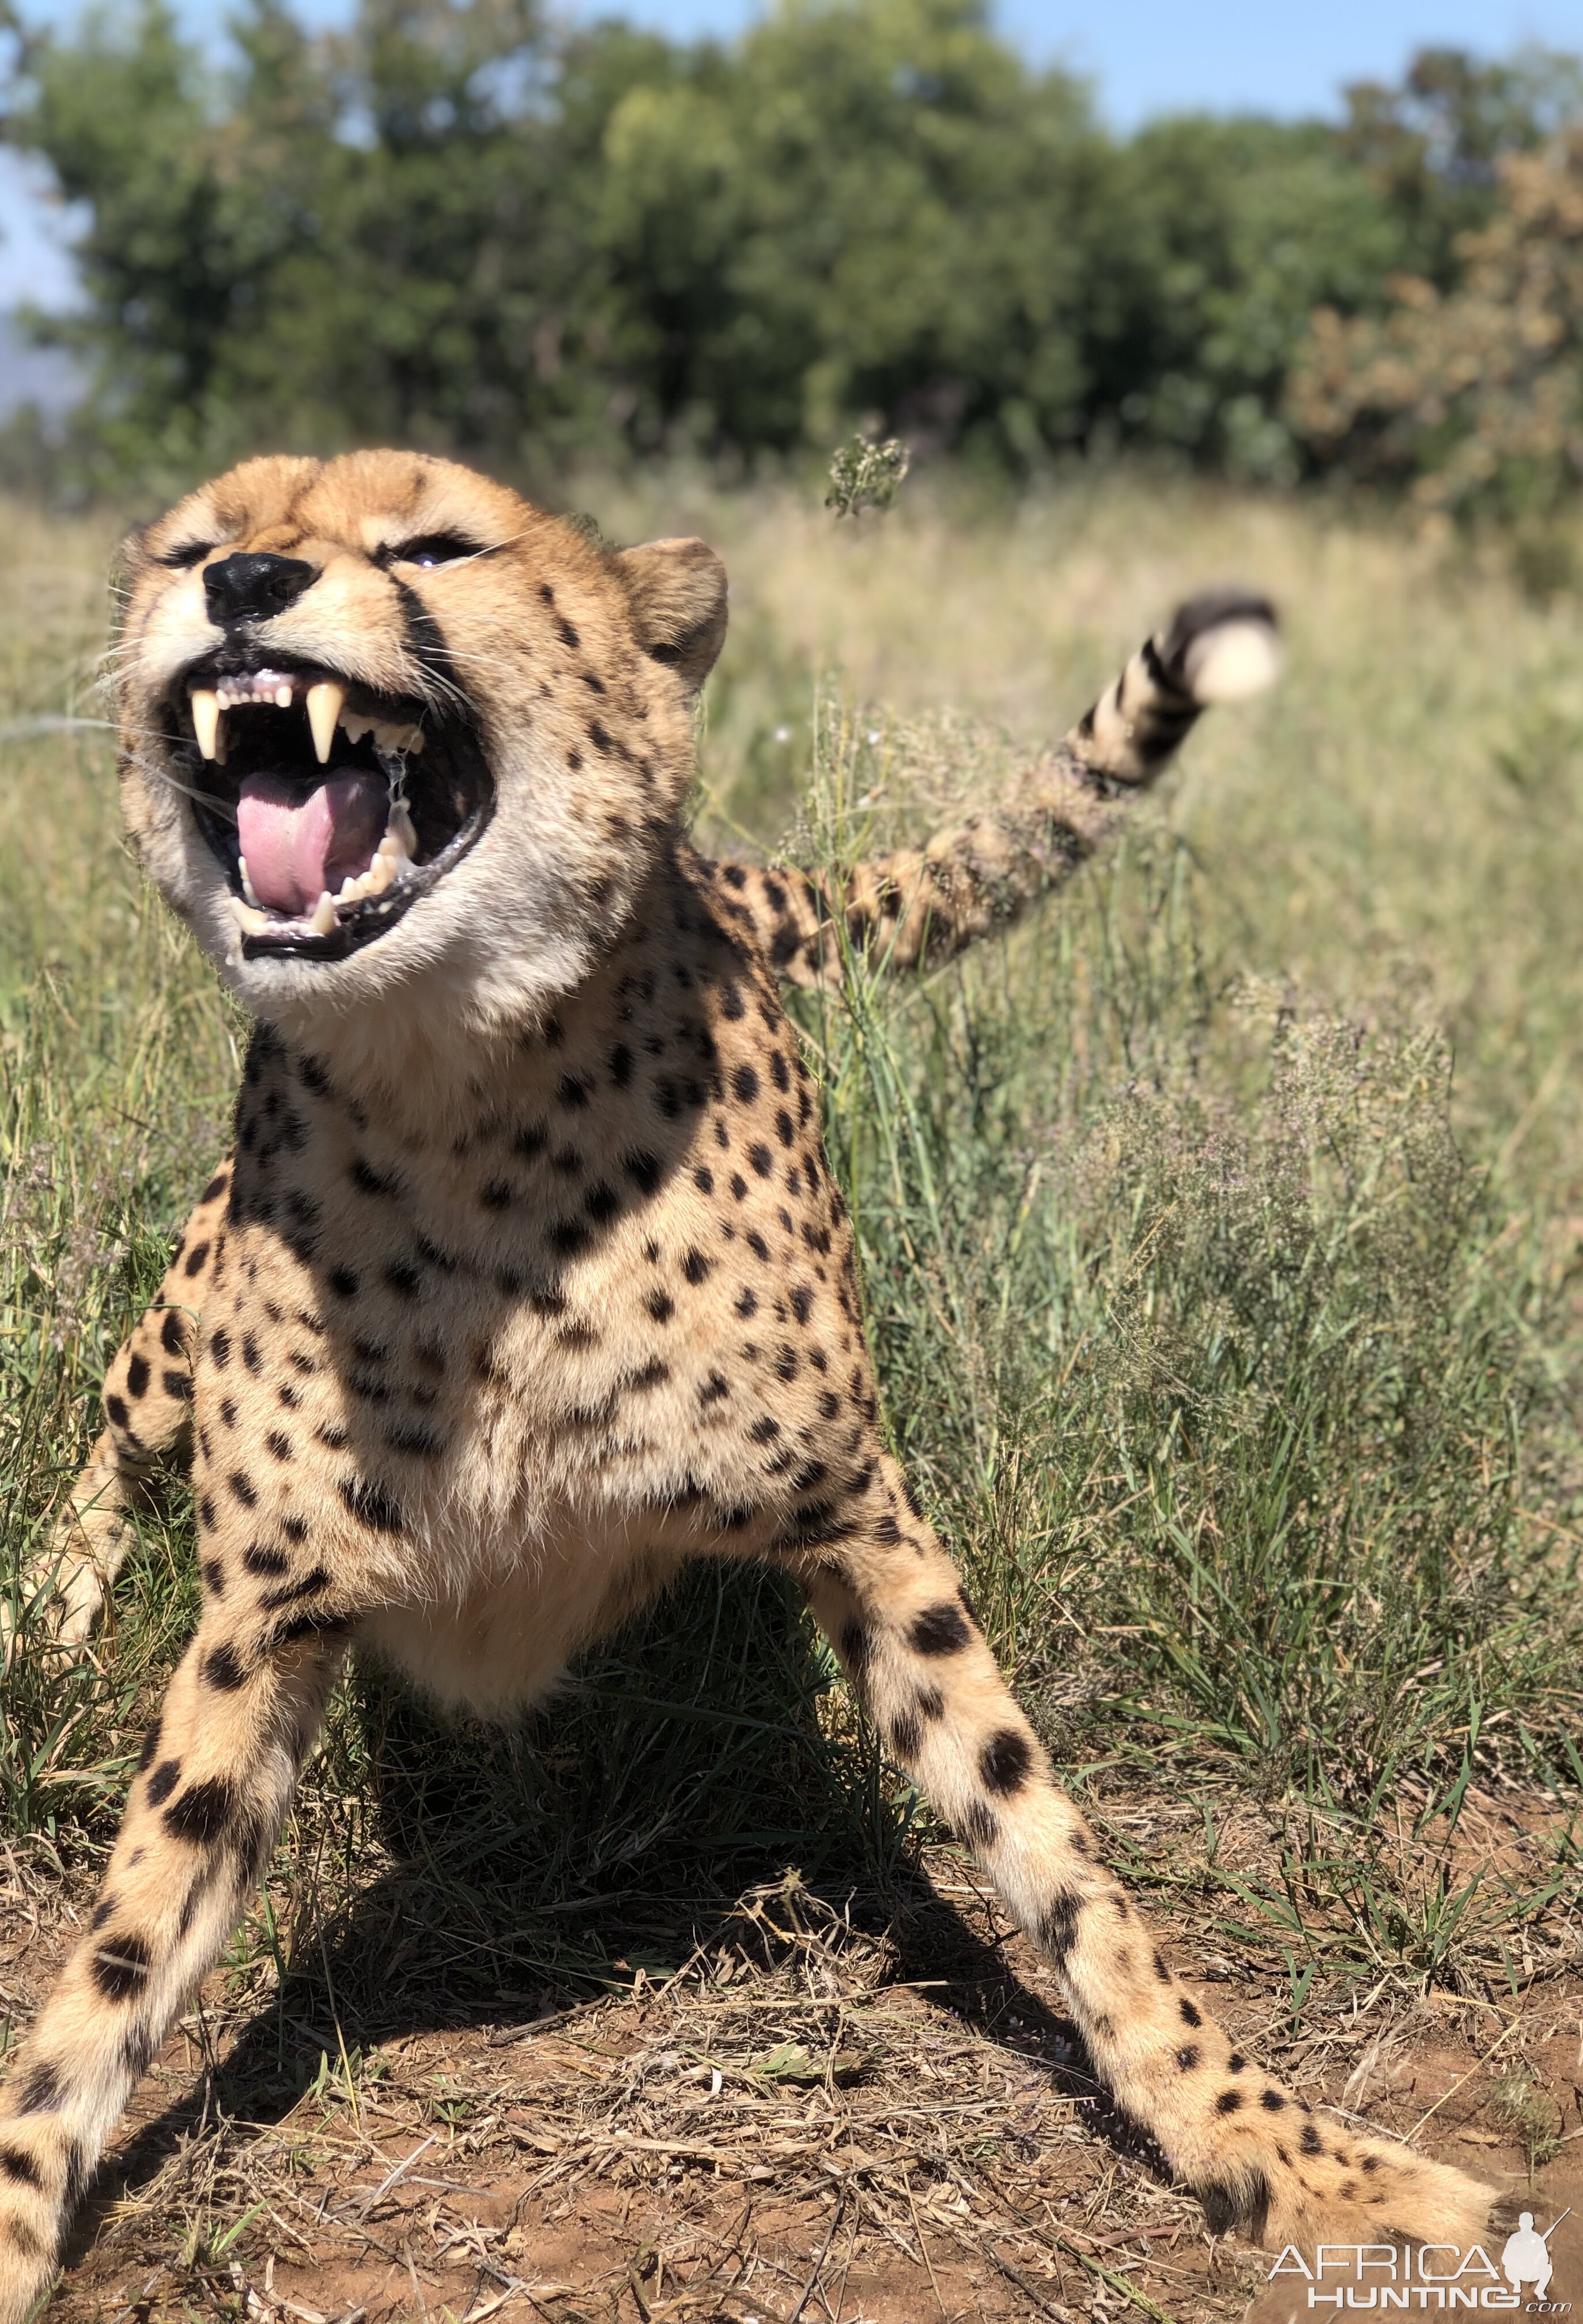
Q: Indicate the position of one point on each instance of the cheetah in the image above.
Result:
(526, 1279)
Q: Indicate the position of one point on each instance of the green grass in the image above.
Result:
(1220, 1233)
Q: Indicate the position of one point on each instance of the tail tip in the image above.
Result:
(1224, 646)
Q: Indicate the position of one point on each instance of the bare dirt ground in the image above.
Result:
(818, 2115)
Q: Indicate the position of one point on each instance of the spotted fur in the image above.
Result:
(528, 1281)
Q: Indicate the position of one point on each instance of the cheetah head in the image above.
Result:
(386, 727)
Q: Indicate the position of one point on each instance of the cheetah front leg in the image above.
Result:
(216, 1776)
(891, 1604)
(148, 1427)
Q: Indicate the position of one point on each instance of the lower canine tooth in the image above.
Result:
(249, 920)
(206, 720)
(324, 915)
(324, 708)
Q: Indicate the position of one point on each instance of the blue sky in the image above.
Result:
(1145, 57)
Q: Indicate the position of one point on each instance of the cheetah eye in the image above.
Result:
(182, 560)
(431, 548)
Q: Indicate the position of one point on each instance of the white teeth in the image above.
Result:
(206, 720)
(247, 917)
(324, 702)
(324, 914)
(401, 829)
(356, 728)
(379, 873)
(247, 887)
(402, 740)
(283, 698)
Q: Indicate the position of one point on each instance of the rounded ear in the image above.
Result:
(677, 592)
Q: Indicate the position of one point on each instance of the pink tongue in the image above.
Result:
(297, 847)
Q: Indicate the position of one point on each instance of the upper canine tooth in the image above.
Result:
(324, 708)
(205, 718)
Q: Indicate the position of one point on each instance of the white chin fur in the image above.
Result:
(1232, 661)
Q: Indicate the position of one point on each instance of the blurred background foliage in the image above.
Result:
(477, 226)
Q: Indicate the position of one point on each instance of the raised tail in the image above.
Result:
(919, 907)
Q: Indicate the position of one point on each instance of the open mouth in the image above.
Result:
(330, 808)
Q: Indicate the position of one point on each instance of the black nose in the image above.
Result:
(249, 588)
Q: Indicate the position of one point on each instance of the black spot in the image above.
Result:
(121, 1968)
(695, 1266)
(151, 1744)
(196, 1259)
(242, 1486)
(704, 1179)
(1273, 2102)
(223, 1669)
(41, 2090)
(712, 1390)
(1236, 2063)
(279, 1444)
(369, 1181)
(854, 1642)
(1227, 2101)
(371, 1505)
(1311, 2142)
(171, 1337)
(403, 1276)
(571, 1091)
(764, 1430)
(570, 1236)
(115, 1411)
(295, 1528)
(267, 1561)
(660, 1306)
(214, 1575)
(1188, 2012)
(1187, 2057)
(496, 1195)
(601, 1203)
(289, 1593)
(940, 1631)
(621, 1064)
(801, 1302)
(344, 1283)
(1162, 1967)
(1005, 1761)
(201, 1814)
(137, 1375)
(163, 1782)
(907, 1735)
(745, 1082)
(422, 1443)
(978, 1825)
(643, 1170)
(757, 1244)
(20, 2168)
